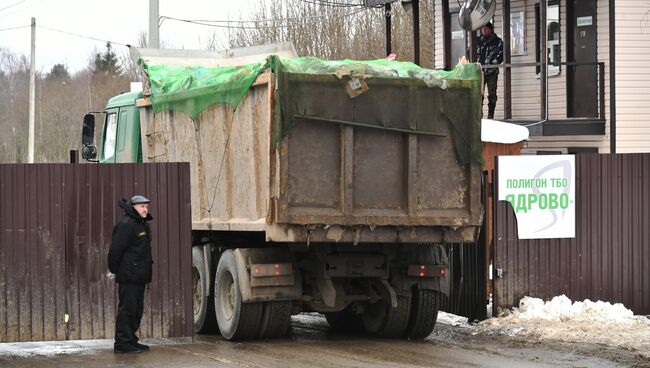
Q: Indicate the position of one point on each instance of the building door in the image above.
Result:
(458, 39)
(582, 80)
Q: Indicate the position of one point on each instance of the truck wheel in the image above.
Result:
(204, 318)
(344, 321)
(383, 320)
(276, 319)
(424, 313)
(236, 320)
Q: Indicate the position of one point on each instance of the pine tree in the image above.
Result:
(59, 71)
(107, 62)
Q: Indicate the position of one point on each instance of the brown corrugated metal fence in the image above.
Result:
(56, 222)
(467, 278)
(609, 259)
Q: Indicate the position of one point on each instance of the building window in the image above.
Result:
(518, 33)
(553, 36)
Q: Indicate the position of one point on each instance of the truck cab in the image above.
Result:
(120, 140)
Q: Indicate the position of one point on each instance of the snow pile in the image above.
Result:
(451, 319)
(587, 321)
(562, 309)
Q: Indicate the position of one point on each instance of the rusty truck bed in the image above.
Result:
(380, 167)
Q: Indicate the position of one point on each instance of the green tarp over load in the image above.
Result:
(452, 97)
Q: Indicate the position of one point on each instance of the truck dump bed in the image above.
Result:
(302, 160)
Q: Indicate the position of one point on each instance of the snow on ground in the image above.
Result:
(50, 348)
(582, 322)
(27, 349)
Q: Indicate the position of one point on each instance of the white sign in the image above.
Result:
(585, 21)
(457, 35)
(541, 190)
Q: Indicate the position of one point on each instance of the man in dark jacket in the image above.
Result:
(129, 258)
(490, 52)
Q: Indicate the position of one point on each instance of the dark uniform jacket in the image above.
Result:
(490, 52)
(129, 257)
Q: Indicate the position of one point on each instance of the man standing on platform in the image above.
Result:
(490, 52)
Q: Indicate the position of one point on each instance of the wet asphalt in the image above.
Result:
(312, 344)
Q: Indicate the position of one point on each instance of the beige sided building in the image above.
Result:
(578, 99)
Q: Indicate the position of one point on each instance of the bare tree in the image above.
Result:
(335, 32)
(14, 106)
(60, 105)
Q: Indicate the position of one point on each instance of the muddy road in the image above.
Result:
(312, 344)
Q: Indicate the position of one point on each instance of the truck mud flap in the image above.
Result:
(267, 274)
(436, 263)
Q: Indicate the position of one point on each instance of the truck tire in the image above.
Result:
(344, 321)
(204, 319)
(382, 320)
(236, 320)
(276, 319)
(424, 313)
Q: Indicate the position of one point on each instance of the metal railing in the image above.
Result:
(544, 81)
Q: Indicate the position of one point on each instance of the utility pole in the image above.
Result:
(154, 30)
(32, 96)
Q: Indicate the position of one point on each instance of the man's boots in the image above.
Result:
(491, 107)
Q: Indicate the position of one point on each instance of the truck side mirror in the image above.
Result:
(88, 131)
(88, 151)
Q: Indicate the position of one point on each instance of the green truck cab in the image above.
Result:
(120, 140)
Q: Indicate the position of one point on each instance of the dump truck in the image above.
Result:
(316, 186)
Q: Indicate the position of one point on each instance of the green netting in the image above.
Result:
(193, 89)
(457, 103)
(379, 69)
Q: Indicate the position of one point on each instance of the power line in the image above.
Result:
(20, 10)
(9, 29)
(334, 4)
(233, 24)
(257, 21)
(12, 5)
(82, 36)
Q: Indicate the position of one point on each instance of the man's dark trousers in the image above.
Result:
(491, 81)
(129, 313)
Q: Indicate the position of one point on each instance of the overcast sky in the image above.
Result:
(119, 21)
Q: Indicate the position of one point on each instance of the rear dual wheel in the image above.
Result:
(276, 320)
(424, 313)
(414, 317)
(204, 317)
(344, 321)
(243, 321)
(384, 320)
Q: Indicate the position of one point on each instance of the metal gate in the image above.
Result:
(56, 222)
(609, 259)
